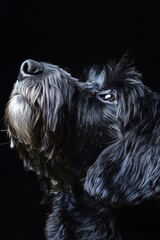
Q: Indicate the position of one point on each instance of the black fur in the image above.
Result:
(97, 140)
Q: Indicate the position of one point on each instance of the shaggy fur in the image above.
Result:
(98, 139)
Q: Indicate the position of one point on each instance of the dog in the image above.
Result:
(97, 141)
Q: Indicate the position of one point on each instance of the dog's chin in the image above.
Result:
(19, 116)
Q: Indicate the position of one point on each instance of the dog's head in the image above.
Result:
(60, 124)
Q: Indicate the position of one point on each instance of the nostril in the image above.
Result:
(25, 67)
(30, 67)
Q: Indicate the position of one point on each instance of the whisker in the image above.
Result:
(5, 143)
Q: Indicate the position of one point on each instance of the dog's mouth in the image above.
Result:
(35, 102)
(26, 113)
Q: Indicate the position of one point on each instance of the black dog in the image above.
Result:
(98, 139)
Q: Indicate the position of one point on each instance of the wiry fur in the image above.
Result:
(98, 138)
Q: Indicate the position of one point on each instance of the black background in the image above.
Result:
(73, 35)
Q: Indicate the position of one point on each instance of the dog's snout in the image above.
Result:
(30, 67)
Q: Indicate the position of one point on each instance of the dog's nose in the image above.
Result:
(30, 67)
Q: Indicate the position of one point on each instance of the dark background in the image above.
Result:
(73, 35)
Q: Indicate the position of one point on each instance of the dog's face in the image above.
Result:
(57, 122)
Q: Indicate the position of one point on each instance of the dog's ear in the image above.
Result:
(122, 177)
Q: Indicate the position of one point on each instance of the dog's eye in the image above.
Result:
(109, 96)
